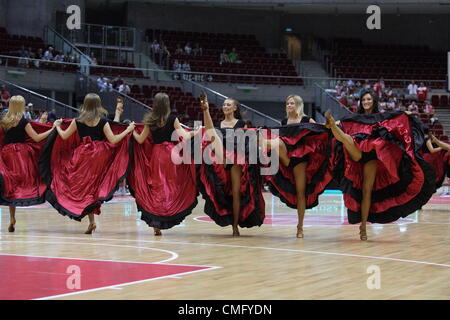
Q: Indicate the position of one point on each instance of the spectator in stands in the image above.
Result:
(422, 92)
(70, 57)
(390, 104)
(188, 49)
(343, 99)
(429, 109)
(234, 56)
(59, 57)
(412, 90)
(31, 55)
(155, 47)
(378, 88)
(367, 86)
(179, 50)
(124, 88)
(165, 57)
(103, 83)
(94, 61)
(339, 88)
(224, 57)
(197, 51)
(382, 105)
(39, 56)
(400, 106)
(48, 55)
(117, 82)
(27, 113)
(5, 96)
(186, 66)
(176, 65)
(24, 55)
(52, 116)
(413, 108)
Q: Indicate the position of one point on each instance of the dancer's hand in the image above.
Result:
(57, 123)
(203, 101)
(119, 106)
(433, 138)
(131, 127)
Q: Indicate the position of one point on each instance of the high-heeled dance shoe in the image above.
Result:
(91, 228)
(236, 232)
(11, 227)
(300, 232)
(363, 234)
(157, 232)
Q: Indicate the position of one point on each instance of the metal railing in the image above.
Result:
(257, 118)
(65, 46)
(41, 102)
(324, 100)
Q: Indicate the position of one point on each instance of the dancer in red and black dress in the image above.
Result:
(84, 165)
(304, 148)
(165, 192)
(436, 157)
(232, 188)
(445, 157)
(20, 182)
(383, 176)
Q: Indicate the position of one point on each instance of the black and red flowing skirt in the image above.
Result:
(81, 174)
(305, 142)
(20, 182)
(404, 180)
(165, 189)
(214, 181)
(438, 161)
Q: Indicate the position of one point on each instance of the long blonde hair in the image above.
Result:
(157, 118)
(91, 109)
(15, 112)
(298, 104)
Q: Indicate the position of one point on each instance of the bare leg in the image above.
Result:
(12, 219)
(300, 185)
(236, 174)
(92, 225)
(278, 145)
(346, 139)
(370, 172)
(157, 231)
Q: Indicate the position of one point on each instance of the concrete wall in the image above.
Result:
(29, 17)
(263, 24)
(411, 29)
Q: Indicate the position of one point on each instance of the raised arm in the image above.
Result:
(64, 134)
(37, 137)
(116, 138)
(182, 132)
(119, 109)
(140, 138)
(441, 144)
(431, 148)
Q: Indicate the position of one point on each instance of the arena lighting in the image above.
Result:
(288, 30)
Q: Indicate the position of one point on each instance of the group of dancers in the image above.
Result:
(385, 164)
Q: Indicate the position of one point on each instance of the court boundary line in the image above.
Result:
(256, 247)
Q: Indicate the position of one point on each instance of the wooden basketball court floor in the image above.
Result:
(49, 257)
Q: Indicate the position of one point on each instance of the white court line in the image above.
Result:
(120, 285)
(251, 247)
(102, 260)
(173, 254)
(305, 224)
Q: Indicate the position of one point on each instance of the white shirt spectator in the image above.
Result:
(186, 66)
(413, 108)
(412, 89)
(48, 55)
(124, 88)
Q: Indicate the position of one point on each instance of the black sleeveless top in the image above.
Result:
(164, 134)
(305, 119)
(239, 124)
(96, 133)
(16, 134)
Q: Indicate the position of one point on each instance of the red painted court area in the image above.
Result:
(25, 277)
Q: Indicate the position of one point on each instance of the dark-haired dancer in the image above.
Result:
(383, 176)
(84, 165)
(20, 182)
(232, 189)
(165, 192)
(304, 149)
